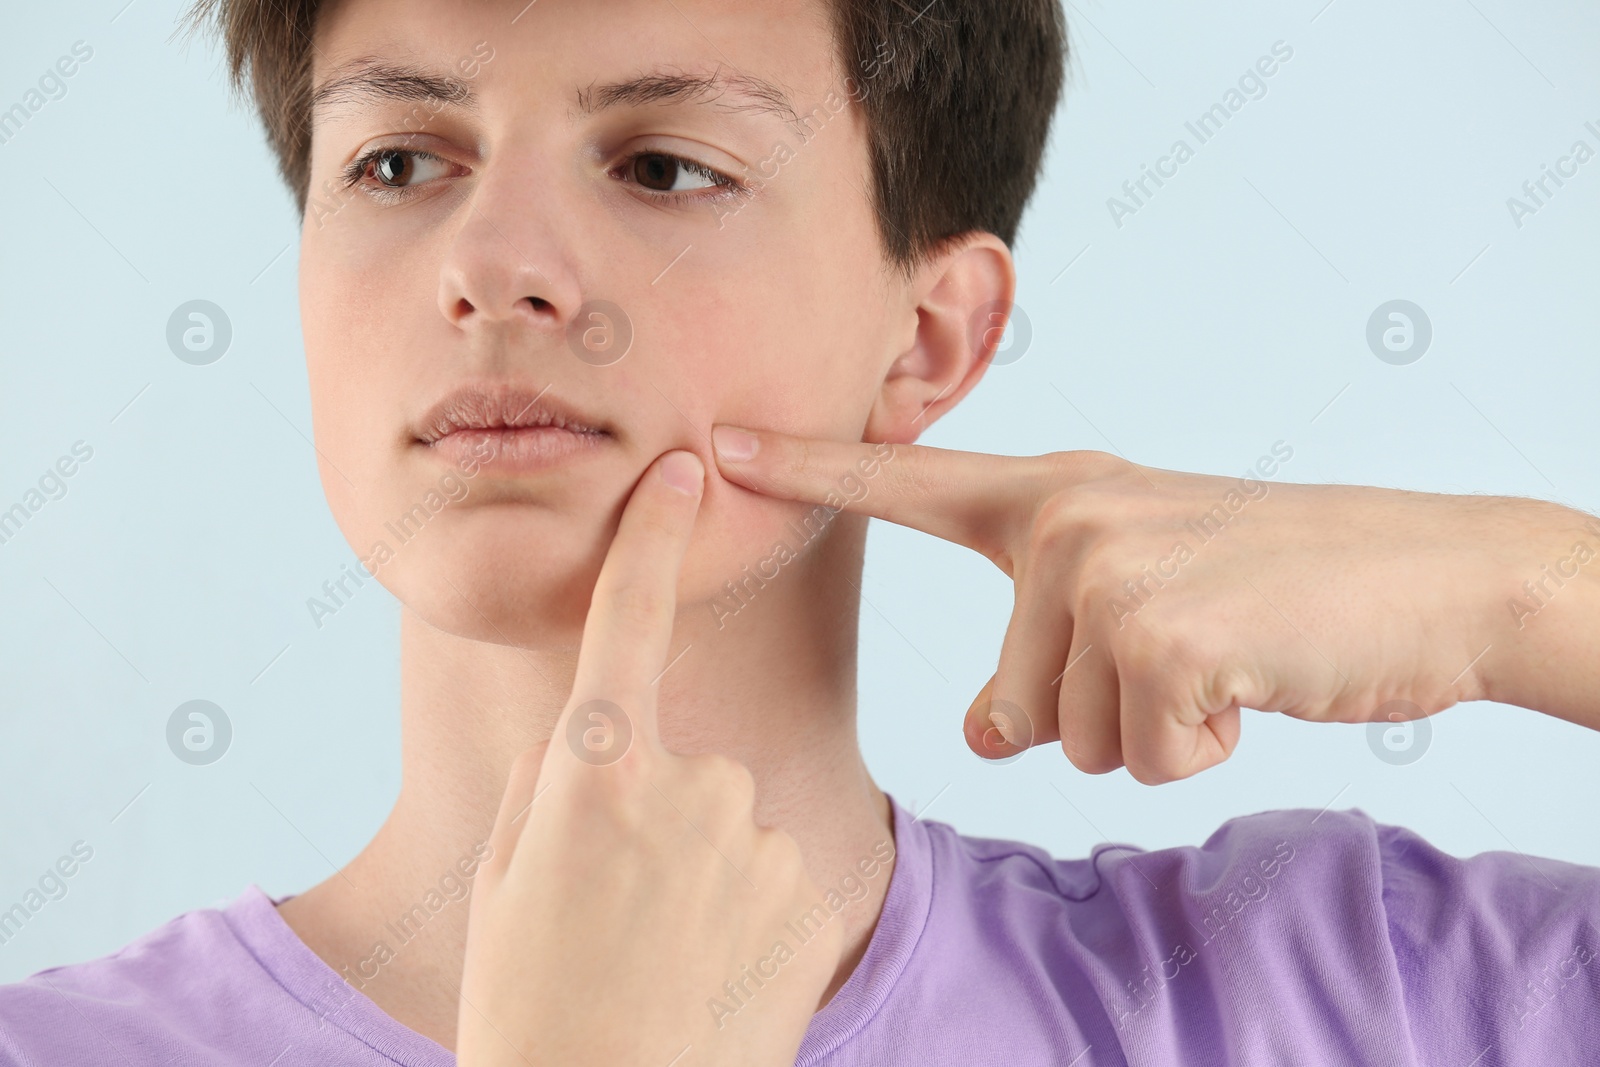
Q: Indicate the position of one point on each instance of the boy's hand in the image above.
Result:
(1151, 604)
(628, 886)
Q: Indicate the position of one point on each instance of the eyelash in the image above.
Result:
(725, 185)
(356, 169)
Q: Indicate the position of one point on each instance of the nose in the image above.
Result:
(511, 262)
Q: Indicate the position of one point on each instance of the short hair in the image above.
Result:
(957, 95)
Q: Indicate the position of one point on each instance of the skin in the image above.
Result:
(1325, 603)
(769, 319)
(611, 837)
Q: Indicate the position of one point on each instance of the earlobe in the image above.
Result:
(962, 298)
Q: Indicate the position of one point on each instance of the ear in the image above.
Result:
(960, 302)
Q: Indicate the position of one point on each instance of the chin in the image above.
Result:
(504, 575)
(523, 574)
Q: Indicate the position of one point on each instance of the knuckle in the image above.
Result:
(1075, 520)
(1076, 756)
(736, 783)
(620, 787)
(1164, 649)
(1227, 684)
(1102, 568)
(1186, 650)
(724, 778)
(800, 463)
(1086, 464)
(915, 477)
(793, 465)
(778, 856)
(1086, 761)
(1147, 772)
(1059, 521)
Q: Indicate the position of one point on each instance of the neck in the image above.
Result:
(769, 681)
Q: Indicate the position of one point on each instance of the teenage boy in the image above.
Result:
(549, 249)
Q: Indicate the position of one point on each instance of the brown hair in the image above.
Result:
(957, 94)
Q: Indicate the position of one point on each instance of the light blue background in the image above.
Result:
(1227, 314)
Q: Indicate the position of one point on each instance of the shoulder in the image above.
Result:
(1496, 949)
(186, 991)
(1280, 923)
(1246, 854)
(1243, 942)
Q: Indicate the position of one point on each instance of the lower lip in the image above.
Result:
(516, 451)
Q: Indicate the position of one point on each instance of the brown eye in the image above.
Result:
(663, 173)
(655, 171)
(390, 168)
(398, 168)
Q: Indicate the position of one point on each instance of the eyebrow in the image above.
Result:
(375, 81)
(734, 91)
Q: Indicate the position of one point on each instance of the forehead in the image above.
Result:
(583, 55)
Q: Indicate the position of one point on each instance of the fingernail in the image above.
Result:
(732, 444)
(684, 472)
(998, 725)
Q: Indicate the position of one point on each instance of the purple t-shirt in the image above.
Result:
(1288, 937)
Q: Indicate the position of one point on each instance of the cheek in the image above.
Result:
(341, 326)
(364, 304)
(772, 363)
(355, 329)
(741, 539)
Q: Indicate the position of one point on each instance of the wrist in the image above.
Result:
(1546, 614)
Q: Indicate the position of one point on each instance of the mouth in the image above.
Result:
(510, 427)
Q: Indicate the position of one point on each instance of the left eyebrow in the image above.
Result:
(372, 80)
(731, 91)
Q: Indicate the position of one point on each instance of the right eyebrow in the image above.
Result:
(372, 80)
(744, 92)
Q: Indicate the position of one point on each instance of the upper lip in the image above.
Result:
(501, 405)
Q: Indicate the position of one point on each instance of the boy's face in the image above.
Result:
(471, 267)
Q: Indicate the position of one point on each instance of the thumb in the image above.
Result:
(522, 789)
(996, 729)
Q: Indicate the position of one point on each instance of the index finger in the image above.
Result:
(972, 498)
(629, 626)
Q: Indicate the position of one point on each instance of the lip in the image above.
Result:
(508, 426)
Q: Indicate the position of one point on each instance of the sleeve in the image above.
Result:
(1498, 954)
